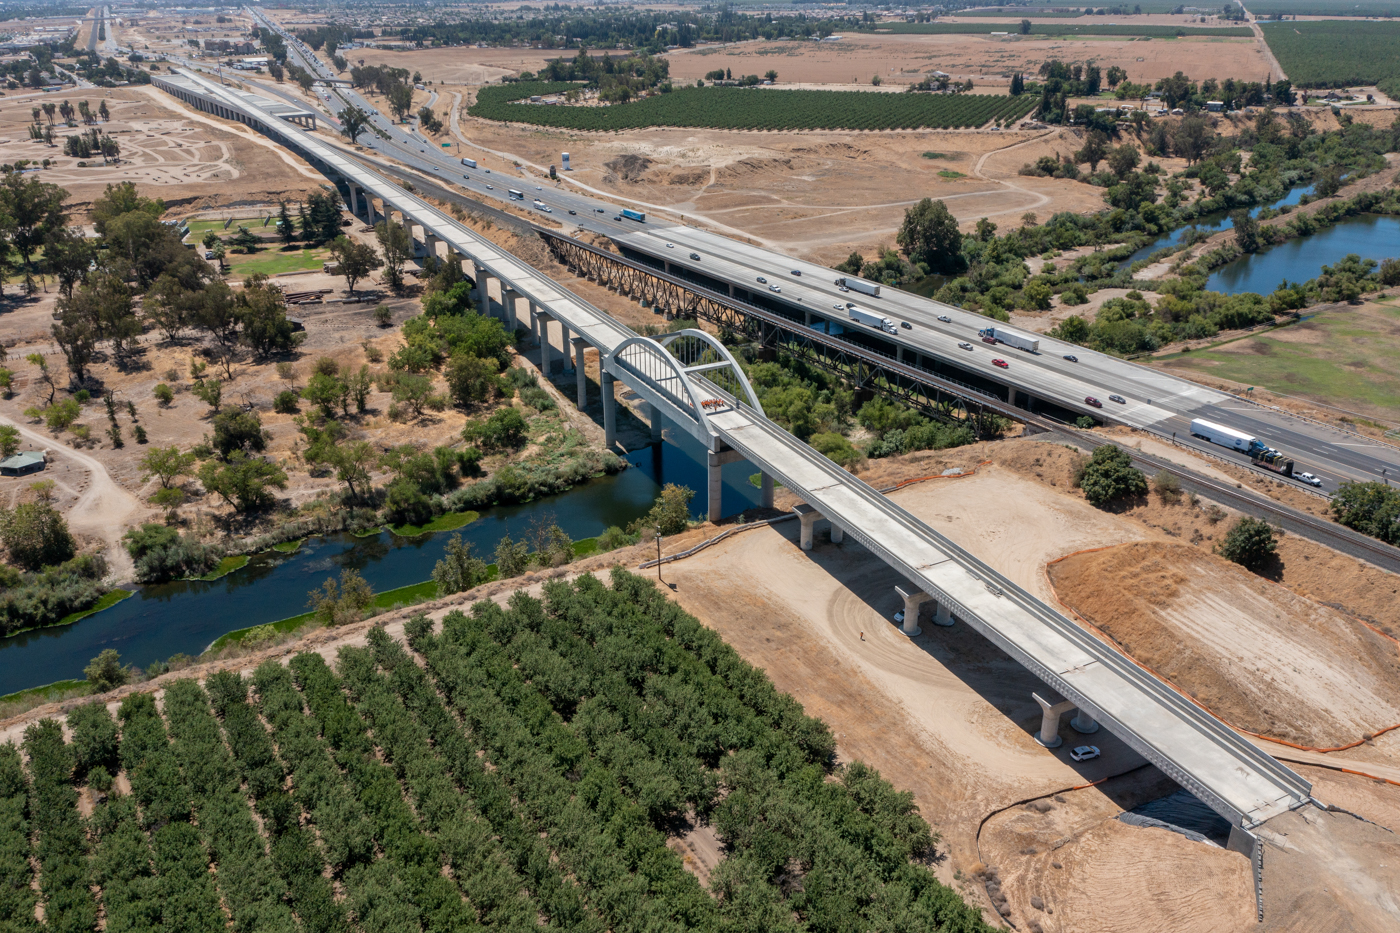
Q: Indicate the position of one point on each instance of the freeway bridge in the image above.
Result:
(692, 382)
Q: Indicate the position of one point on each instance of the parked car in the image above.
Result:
(1090, 400)
(1071, 357)
(1309, 479)
(965, 346)
(1002, 363)
(945, 319)
(1085, 753)
(1118, 398)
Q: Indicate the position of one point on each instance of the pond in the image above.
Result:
(1370, 236)
(187, 616)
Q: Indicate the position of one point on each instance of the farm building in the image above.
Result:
(22, 463)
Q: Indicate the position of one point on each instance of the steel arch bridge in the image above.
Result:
(687, 374)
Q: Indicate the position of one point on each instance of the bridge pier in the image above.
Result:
(566, 346)
(508, 299)
(765, 495)
(483, 295)
(809, 517)
(605, 382)
(430, 244)
(534, 324)
(715, 461)
(581, 371)
(546, 351)
(913, 605)
(657, 425)
(1052, 707)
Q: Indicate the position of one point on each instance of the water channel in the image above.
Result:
(1211, 223)
(186, 616)
(1370, 236)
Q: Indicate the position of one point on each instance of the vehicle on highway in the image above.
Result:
(630, 214)
(599, 210)
(538, 188)
(762, 280)
(1090, 400)
(945, 319)
(797, 272)
(670, 246)
(573, 212)
(1118, 398)
(965, 346)
(774, 288)
(1002, 363)
(842, 288)
(618, 217)
(1071, 357)
(515, 194)
(1085, 753)
(838, 307)
(1309, 479)
(695, 256)
(490, 188)
(906, 325)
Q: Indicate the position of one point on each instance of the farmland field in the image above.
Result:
(528, 776)
(1337, 53)
(753, 109)
(1325, 8)
(1063, 29)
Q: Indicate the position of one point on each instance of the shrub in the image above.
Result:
(36, 535)
(1168, 487)
(164, 394)
(1084, 421)
(406, 504)
(1110, 475)
(285, 371)
(1370, 508)
(285, 402)
(139, 433)
(38, 599)
(670, 512)
(614, 538)
(504, 430)
(537, 398)
(105, 672)
(836, 449)
(344, 603)
(383, 316)
(1251, 543)
(161, 553)
(458, 570)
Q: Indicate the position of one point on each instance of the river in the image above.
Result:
(185, 617)
(1370, 236)
(1210, 223)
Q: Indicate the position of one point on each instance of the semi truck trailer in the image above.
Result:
(1225, 437)
(870, 319)
(859, 285)
(469, 163)
(630, 214)
(1011, 338)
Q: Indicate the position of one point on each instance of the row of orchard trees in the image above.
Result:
(531, 775)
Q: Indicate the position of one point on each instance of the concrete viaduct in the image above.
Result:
(691, 382)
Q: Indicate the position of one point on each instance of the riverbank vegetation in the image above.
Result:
(364, 799)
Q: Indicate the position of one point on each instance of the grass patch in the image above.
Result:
(448, 521)
(585, 546)
(399, 596)
(949, 173)
(272, 261)
(289, 547)
(48, 693)
(368, 532)
(226, 566)
(108, 600)
(934, 155)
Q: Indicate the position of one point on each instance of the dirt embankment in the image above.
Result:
(1261, 657)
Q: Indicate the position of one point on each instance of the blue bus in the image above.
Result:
(638, 216)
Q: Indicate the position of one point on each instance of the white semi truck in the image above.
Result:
(1011, 338)
(870, 319)
(859, 285)
(469, 163)
(1225, 437)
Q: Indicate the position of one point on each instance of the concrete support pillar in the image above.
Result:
(913, 605)
(837, 535)
(546, 351)
(408, 229)
(716, 485)
(808, 516)
(483, 290)
(566, 345)
(942, 615)
(508, 297)
(657, 424)
(581, 371)
(609, 411)
(1052, 707)
(765, 495)
(534, 325)
(430, 244)
(1083, 723)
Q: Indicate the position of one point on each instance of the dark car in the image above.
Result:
(573, 212)
(906, 325)
(1118, 398)
(1090, 400)
(695, 256)
(1072, 358)
(618, 217)
(796, 271)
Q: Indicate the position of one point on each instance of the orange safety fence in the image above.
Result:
(920, 479)
(1258, 735)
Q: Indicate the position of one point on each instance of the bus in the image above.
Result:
(630, 214)
(516, 195)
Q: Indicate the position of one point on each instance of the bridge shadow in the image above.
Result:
(959, 651)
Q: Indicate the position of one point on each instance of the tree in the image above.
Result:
(458, 570)
(1095, 149)
(417, 393)
(670, 512)
(875, 80)
(471, 379)
(1073, 329)
(400, 101)
(243, 482)
(1192, 138)
(1251, 543)
(344, 603)
(352, 464)
(167, 464)
(1115, 75)
(1370, 508)
(31, 211)
(506, 429)
(512, 557)
(356, 260)
(1123, 159)
(210, 392)
(244, 240)
(105, 672)
(122, 198)
(76, 335)
(326, 391)
(103, 112)
(353, 122)
(217, 314)
(398, 249)
(930, 235)
(45, 374)
(36, 535)
(262, 310)
(9, 441)
(1246, 230)
(1110, 475)
(68, 255)
(286, 228)
(238, 431)
(771, 76)
(1025, 27)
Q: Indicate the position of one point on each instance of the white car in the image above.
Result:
(1309, 479)
(945, 319)
(964, 346)
(774, 288)
(839, 307)
(670, 246)
(1085, 753)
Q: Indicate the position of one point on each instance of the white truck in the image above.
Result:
(469, 163)
(1225, 437)
(859, 285)
(1011, 338)
(870, 319)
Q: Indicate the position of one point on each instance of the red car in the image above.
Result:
(1090, 400)
(1001, 363)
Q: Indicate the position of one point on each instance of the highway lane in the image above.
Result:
(1154, 400)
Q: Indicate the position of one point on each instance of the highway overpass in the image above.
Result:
(700, 391)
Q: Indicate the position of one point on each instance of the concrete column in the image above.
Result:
(657, 425)
(408, 228)
(430, 244)
(508, 297)
(716, 485)
(534, 325)
(1083, 723)
(837, 535)
(609, 411)
(566, 346)
(483, 294)
(765, 495)
(913, 605)
(1052, 707)
(546, 351)
(581, 372)
(942, 615)
(808, 517)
